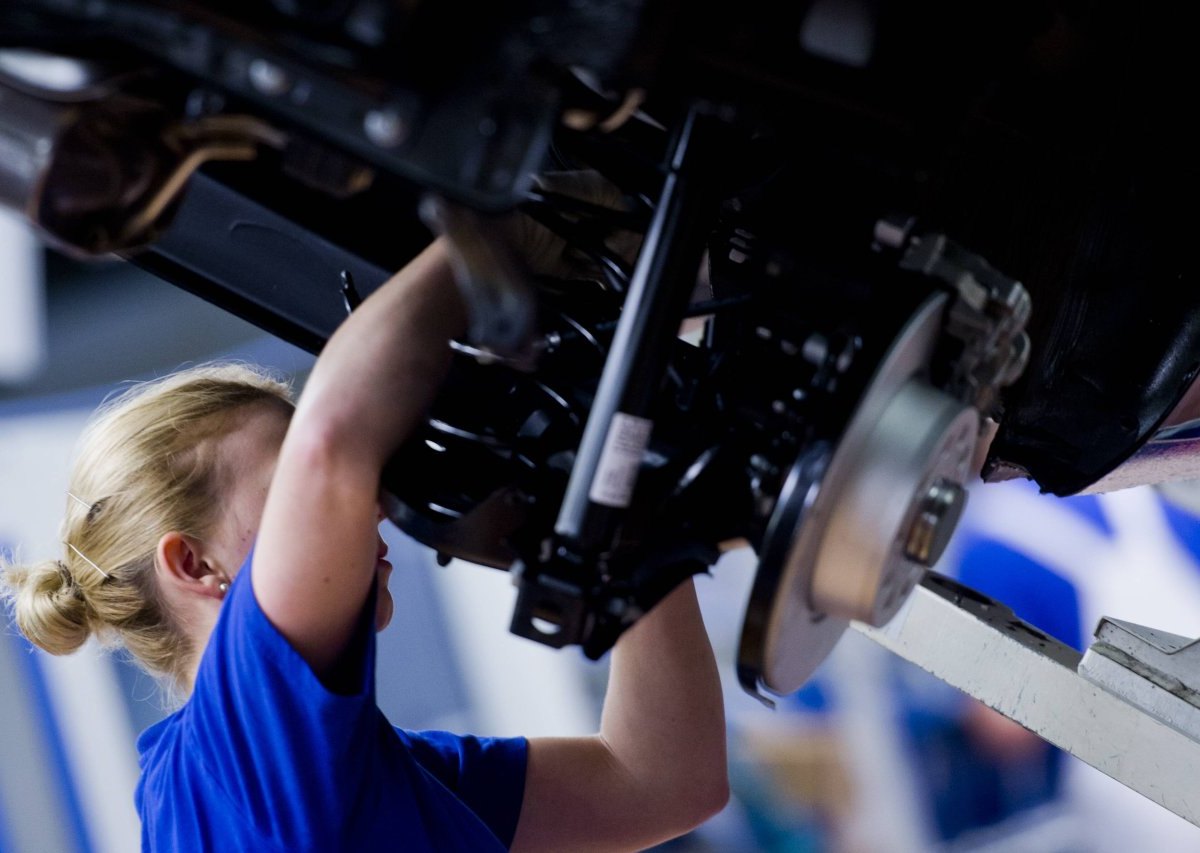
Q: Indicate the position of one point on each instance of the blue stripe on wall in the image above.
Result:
(1086, 507)
(57, 749)
(6, 844)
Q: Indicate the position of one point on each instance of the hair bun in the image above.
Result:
(47, 605)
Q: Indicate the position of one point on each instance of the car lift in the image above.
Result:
(1129, 706)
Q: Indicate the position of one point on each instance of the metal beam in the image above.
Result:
(979, 646)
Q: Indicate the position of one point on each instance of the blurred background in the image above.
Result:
(871, 756)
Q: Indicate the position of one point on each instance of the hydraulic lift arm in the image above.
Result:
(1128, 706)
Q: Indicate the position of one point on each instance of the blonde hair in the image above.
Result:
(145, 467)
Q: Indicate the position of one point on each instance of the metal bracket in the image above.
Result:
(988, 315)
(1155, 670)
(1128, 707)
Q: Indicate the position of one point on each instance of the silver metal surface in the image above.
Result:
(1161, 703)
(786, 636)
(53, 77)
(988, 317)
(269, 78)
(1156, 653)
(980, 647)
(923, 437)
(1155, 670)
(385, 128)
(29, 130)
(937, 517)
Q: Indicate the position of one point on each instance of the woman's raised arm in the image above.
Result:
(315, 557)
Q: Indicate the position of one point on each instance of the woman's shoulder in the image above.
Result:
(162, 758)
(159, 736)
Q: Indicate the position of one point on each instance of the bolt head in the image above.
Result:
(937, 518)
(385, 128)
(268, 78)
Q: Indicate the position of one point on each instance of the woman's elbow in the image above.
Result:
(702, 783)
(702, 799)
(710, 799)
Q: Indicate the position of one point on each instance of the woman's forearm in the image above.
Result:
(664, 716)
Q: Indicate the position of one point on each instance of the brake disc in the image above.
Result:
(854, 523)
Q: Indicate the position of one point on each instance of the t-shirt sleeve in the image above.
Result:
(487, 774)
(292, 754)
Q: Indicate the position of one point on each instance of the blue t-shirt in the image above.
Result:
(264, 756)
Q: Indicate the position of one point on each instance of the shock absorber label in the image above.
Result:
(617, 473)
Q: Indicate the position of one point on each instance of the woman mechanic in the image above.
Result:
(229, 543)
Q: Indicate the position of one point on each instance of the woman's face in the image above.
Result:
(384, 605)
(248, 455)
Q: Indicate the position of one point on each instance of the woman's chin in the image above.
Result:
(384, 606)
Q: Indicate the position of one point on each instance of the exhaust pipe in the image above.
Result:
(30, 131)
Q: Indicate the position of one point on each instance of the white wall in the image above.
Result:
(22, 308)
(90, 714)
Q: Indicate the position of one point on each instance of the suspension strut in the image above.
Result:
(558, 587)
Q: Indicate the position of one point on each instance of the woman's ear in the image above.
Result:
(181, 565)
